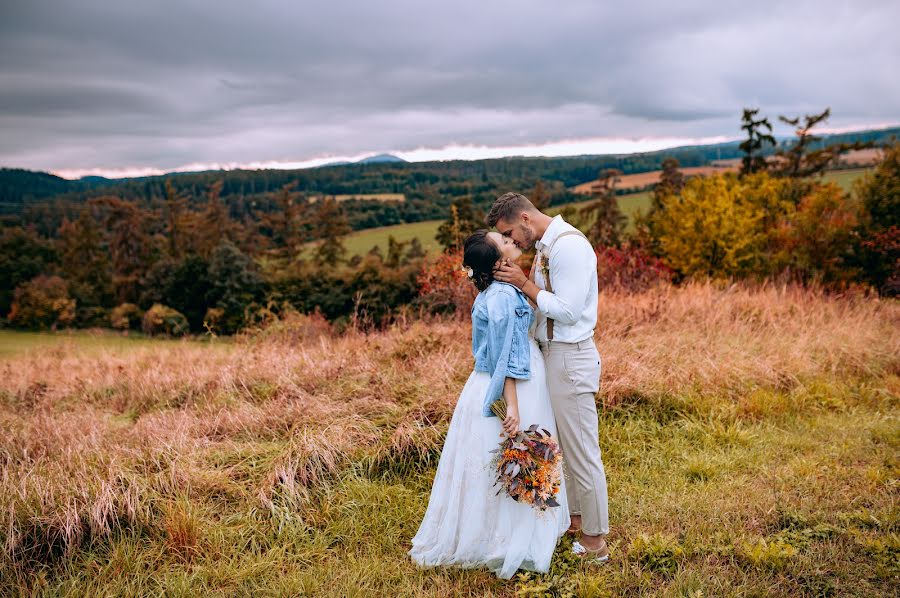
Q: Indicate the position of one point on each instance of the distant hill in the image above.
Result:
(380, 159)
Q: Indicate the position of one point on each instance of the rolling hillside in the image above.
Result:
(360, 242)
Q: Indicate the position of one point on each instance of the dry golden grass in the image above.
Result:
(363, 197)
(642, 180)
(242, 457)
(730, 341)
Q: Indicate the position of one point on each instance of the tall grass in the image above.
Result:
(301, 462)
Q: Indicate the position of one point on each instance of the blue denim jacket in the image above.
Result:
(501, 317)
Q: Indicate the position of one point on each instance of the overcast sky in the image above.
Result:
(122, 87)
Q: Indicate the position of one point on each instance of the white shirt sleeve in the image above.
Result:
(569, 263)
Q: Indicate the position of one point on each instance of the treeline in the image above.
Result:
(430, 188)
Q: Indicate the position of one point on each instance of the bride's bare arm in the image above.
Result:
(511, 423)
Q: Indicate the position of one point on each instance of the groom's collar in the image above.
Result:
(553, 229)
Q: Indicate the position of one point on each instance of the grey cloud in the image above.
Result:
(106, 84)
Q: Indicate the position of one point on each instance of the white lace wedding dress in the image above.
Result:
(467, 524)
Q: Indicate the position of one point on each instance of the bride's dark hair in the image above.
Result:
(480, 254)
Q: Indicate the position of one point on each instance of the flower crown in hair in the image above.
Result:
(468, 270)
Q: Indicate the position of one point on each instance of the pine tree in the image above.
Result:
(395, 252)
(130, 247)
(607, 220)
(331, 226)
(756, 142)
(416, 251)
(671, 182)
(176, 220)
(85, 261)
(539, 197)
(463, 221)
(800, 160)
(288, 221)
(215, 225)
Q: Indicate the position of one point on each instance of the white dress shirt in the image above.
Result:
(573, 275)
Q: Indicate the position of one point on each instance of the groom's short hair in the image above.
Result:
(507, 207)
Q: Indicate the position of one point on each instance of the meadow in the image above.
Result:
(750, 437)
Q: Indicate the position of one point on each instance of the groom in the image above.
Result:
(563, 285)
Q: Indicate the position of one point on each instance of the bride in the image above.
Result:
(467, 524)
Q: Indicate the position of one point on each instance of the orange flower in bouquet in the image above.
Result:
(527, 464)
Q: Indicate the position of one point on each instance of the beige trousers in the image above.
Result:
(573, 374)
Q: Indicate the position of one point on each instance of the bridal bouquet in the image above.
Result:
(527, 464)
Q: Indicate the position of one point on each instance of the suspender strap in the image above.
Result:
(545, 272)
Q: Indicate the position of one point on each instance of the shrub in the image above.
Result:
(879, 230)
(629, 268)
(91, 317)
(161, 319)
(715, 227)
(444, 287)
(126, 316)
(280, 323)
(378, 291)
(881, 260)
(815, 241)
(43, 302)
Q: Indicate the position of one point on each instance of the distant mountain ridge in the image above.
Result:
(379, 159)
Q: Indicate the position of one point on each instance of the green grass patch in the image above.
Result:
(360, 242)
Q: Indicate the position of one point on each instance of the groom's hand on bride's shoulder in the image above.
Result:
(510, 273)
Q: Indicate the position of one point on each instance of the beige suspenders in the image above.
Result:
(546, 274)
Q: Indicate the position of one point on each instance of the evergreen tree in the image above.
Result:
(85, 261)
(416, 251)
(757, 141)
(539, 197)
(800, 160)
(463, 221)
(607, 222)
(395, 252)
(235, 285)
(176, 220)
(130, 246)
(331, 226)
(288, 221)
(215, 225)
(671, 182)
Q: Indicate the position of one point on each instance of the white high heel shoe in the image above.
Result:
(584, 554)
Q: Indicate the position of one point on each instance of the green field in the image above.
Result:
(360, 242)
(845, 178)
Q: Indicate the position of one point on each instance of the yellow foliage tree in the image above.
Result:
(717, 225)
